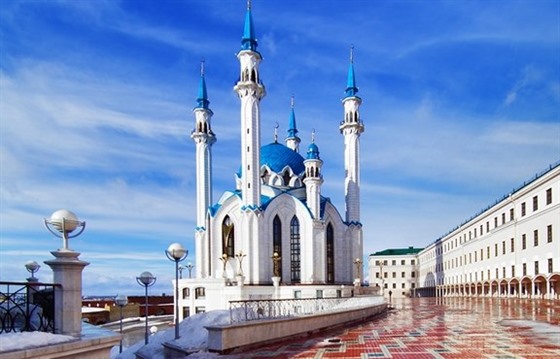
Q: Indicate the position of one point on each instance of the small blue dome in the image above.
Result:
(313, 152)
(277, 156)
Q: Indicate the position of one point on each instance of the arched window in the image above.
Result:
(186, 293)
(277, 242)
(295, 251)
(286, 177)
(330, 253)
(228, 239)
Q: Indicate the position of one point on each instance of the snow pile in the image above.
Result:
(27, 340)
(193, 337)
(356, 302)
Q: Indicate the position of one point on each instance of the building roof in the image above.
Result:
(398, 251)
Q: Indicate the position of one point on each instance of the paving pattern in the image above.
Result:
(438, 328)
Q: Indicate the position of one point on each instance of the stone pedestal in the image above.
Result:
(357, 282)
(67, 272)
(276, 281)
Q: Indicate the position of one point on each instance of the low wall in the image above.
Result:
(227, 337)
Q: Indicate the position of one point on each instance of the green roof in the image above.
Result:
(398, 251)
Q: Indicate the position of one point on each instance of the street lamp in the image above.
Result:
(146, 280)
(176, 253)
(358, 263)
(121, 300)
(190, 267)
(240, 257)
(62, 223)
(32, 267)
(224, 258)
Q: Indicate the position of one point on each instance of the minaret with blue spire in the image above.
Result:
(292, 141)
(250, 90)
(313, 179)
(203, 138)
(351, 128)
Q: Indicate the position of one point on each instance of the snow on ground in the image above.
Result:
(355, 302)
(28, 340)
(193, 336)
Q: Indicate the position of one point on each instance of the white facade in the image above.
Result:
(511, 249)
(276, 209)
(395, 271)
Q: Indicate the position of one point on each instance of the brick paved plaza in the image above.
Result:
(438, 328)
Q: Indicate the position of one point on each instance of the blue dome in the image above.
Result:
(277, 156)
(313, 152)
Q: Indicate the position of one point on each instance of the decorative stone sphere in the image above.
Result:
(176, 250)
(71, 221)
(153, 329)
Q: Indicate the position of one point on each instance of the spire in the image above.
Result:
(202, 100)
(351, 89)
(248, 42)
(292, 128)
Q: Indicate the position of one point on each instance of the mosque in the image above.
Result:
(275, 235)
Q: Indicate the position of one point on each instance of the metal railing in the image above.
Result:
(248, 310)
(27, 307)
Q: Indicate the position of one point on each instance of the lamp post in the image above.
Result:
(189, 267)
(240, 257)
(224, 258)
(358, 263)
(32, 267)
(67, 271)
(121, 300)
(176, 253)
(146, 280)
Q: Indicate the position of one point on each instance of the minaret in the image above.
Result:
(292, 141)
(203, 138)
(250, 91)
(313, 179)
(351, 128)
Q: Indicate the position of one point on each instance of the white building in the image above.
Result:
(274, 235)
(394, 270)
(511, 249)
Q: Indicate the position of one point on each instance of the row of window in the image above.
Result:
(199, 292)
(449, 245)
(479, 255)
(394, 274)
(524, 271)
(228, 247)
(403, 286)
(394, 262)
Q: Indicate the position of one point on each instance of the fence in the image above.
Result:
(27, 307)
(247, 310)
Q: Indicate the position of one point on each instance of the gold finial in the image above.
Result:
(292, 101)
(248, 4)
(276, 132)
(202, 67)
(313, 136)
(352, 53)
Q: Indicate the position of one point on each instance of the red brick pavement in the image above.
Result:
(437, 328)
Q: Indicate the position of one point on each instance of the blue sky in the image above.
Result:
(461, 103)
